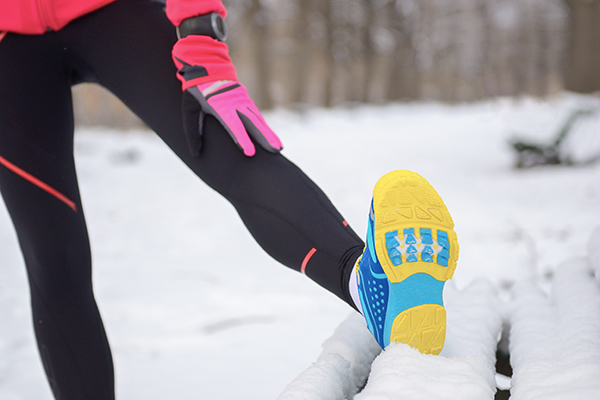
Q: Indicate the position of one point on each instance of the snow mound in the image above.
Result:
(555, 339)
(554, 344)
(464, 370)
(156, 229)
(594, 252)
(341, 369)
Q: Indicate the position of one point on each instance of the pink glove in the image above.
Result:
(210, 87)
(229, 103)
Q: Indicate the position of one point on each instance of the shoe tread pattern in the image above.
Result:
(403, 200)
(422, 327)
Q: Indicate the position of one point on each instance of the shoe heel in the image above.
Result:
(422, 327)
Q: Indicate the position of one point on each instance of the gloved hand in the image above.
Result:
(210, 87)
(228, 101)
(209, 82)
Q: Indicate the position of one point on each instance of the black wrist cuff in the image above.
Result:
(212, 25)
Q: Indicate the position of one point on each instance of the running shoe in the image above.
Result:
(411, 252)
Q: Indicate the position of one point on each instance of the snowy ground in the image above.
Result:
(189, 318)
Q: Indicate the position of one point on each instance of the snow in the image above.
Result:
(189, 318)
(465, 368)
(343, 366)
(557, 337)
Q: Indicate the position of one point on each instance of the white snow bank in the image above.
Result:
(554, 346)
(555, 340)
(341, 369)
(464, 370)
(404, 373)
(594, 252)
(186, 319)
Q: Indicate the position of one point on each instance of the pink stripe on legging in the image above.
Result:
(38, 183)
(308, 256)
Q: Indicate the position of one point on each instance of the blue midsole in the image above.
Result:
(416, 290)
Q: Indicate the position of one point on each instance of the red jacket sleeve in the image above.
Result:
(199, 59)
(178, 10)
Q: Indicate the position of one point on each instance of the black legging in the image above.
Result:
(125, 47)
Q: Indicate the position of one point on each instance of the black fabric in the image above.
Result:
(283, 209)
(203, 25)
(189, 72)
(193, 120)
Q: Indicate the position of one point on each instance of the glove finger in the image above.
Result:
(192, 122)
(234, 126)
(228, 119)
(258, 129)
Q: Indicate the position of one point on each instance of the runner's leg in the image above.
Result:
(39, 187)
(289, 216)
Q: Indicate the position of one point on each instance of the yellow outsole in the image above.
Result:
(404, 199)
(422, 327)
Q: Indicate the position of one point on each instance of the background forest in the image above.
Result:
(328, 53)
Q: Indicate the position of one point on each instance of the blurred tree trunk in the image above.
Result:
(582, 66)
(328, 81)
(403, 81)
(542, 67)
(302, 54)
(448, 69)
(489, 77)
(259, 16)
(368, 49)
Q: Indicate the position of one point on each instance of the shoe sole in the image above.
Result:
(414, 238)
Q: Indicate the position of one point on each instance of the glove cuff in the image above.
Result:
(201, 59)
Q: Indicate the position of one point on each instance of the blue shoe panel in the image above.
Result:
(416, 290)
(413, 235)
(373, 289)
(370, 230)
(392, 245)
(444, 254)
(382, 300)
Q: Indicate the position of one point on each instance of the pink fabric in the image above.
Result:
(200, 50)
(228, 104)
(178, 10)
(38, 183)
(207, 52)
(37, 16)
(306, 260)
